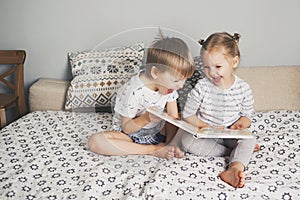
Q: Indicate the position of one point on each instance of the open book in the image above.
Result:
(204, 132)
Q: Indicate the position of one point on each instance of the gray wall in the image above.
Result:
(47, 30)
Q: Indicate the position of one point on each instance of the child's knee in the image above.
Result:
(249, 143)
(188, 143)
(92, 142)
(253, 141)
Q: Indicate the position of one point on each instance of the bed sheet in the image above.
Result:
(44, 156)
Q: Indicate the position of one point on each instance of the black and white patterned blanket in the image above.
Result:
(44, 156)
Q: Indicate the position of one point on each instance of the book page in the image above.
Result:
(208, 132)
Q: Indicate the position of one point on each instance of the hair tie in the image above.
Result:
(236, 37)
(201, 41)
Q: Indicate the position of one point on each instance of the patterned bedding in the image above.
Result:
(44, 156)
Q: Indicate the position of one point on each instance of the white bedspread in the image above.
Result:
(44, 156)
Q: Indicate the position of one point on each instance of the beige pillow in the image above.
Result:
(48, 94)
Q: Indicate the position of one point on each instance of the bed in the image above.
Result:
(44, 154)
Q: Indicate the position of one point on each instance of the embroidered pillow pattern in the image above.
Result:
(97, 75)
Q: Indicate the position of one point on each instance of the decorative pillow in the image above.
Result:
(97, 75)
(190, 83)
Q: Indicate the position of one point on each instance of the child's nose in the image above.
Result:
(213, 71)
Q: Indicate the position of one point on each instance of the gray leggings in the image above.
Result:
(237, 149)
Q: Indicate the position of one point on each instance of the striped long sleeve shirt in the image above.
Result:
(220, 107)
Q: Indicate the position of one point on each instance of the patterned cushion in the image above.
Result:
(97, 75)
(190, 83)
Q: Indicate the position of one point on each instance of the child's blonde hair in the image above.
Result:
(168, 54)
(222, 40)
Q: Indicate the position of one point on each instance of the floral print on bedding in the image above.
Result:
(44, 156)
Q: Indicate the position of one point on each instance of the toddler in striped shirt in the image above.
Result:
(224, 100)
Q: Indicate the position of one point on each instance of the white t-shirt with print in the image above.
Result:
(133, 98)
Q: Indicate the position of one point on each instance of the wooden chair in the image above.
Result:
(13, 80)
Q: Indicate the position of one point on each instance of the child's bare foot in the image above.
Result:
(167, 152)
(256, 148)
(178, 153)
(234, 175)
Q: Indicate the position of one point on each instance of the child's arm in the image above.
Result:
(247, 109)
(130, 125)
(241, 123)
(195, 121)
(172, 109)
(170, 129)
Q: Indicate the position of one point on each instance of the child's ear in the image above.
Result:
(235, 61)
(154, 72)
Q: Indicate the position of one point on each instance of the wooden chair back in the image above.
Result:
(13, 78)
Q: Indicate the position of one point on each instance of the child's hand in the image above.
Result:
(241, 123)
(236, 126)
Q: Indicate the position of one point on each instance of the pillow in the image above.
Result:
(190, 83)
(97, 75)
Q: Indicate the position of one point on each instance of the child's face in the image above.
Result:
(167, 82)
(219, 69)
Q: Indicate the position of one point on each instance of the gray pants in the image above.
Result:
(237, 149)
